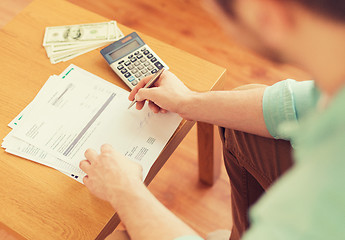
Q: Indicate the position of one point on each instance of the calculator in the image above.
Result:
(131, 59)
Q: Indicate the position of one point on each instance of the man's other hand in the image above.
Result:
(109, 173)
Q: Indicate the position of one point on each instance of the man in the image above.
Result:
(308, 202)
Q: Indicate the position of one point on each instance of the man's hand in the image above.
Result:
(167, 94)
(113, 178)
(109, 173)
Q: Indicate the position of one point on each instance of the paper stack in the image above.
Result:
(77, 110)
(63, 43)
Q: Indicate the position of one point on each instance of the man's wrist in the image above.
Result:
(188, 105)
(124, 191)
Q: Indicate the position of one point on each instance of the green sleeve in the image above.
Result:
(287, 101)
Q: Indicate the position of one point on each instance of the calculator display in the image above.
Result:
(125, 50)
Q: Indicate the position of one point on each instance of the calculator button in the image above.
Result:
(131, 78)
(130, 67)
(148, 74)
(133, 59)
(153, 59)
(143, 49)
(137, 75)
(140, 67)
(136, 53)
(127, 63)
(120, 67)
(127, 75)
(124, 70)
(136, 63)
(146, 52)
(134, 71)
(146, 64)
(130, 56)
(139, 56)
(158, 65)
(149, 56)
(150, 67)
(143, 60)
(154, 71)
(144, 71)
(135, 82)
(121, 61)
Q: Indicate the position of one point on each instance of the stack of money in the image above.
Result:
(63, 43)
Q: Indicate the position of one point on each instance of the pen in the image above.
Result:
(149, 84)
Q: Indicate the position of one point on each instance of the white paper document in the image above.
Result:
(78, 110)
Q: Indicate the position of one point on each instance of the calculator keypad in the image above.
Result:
(138, 65)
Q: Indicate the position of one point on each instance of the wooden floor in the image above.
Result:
(185, 24)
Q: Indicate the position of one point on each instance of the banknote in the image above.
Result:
(63, 43)
(77, 33)
(53, 51)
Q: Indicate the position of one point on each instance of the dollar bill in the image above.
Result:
(68, 52)
(53, 51)
(80, 33)
(63, 43)
(70, 56)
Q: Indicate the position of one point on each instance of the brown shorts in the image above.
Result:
(253, 163)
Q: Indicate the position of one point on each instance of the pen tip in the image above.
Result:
(131, 105)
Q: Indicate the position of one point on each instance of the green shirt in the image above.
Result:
(308, 202)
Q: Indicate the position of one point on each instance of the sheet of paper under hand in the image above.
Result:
(79, 111)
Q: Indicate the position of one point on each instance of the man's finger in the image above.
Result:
(140, 105)
(85, 166)
(86, 180)
(140, 85)
(106, 148)
(145, 94)
(91, 155)
(141, 97)
(154, 108)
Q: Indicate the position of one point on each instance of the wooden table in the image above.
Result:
(38, 202)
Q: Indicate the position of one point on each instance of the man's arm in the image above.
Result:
(239, 110)
(114, 178)
(146, 218)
